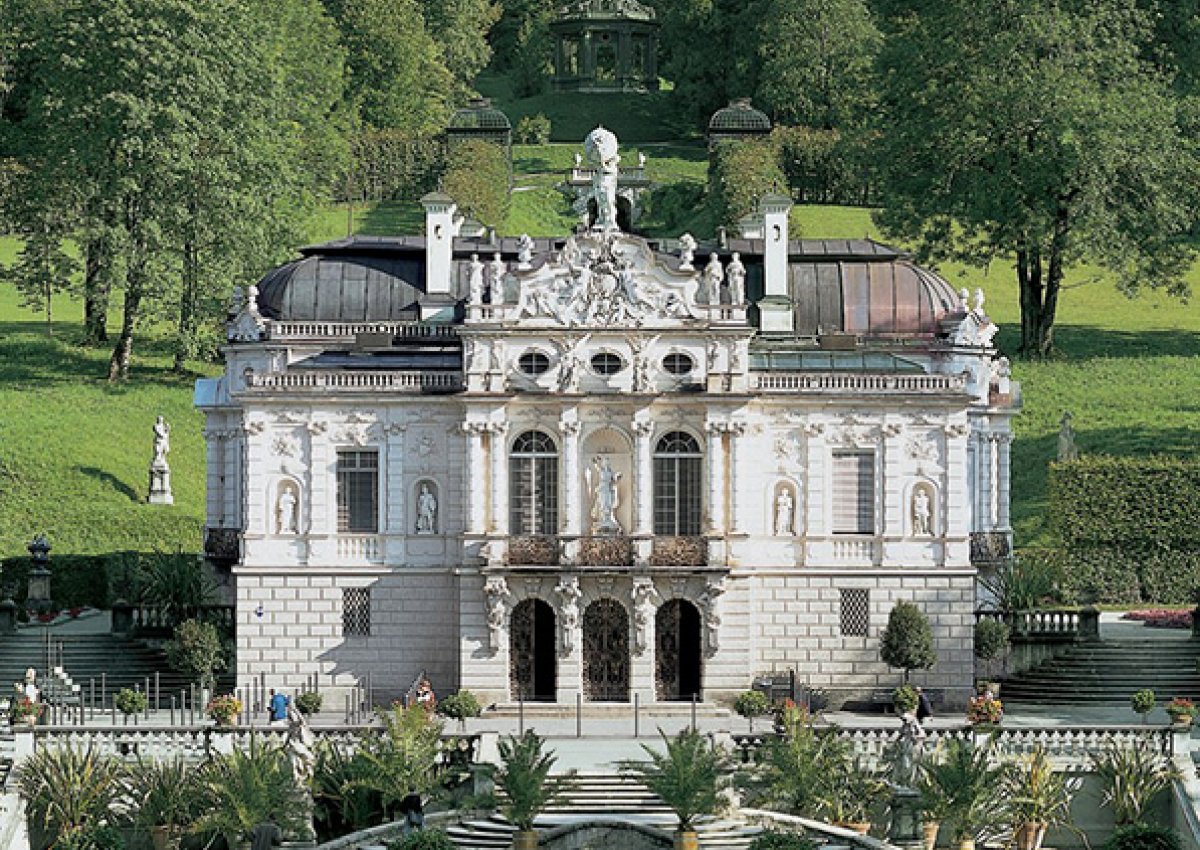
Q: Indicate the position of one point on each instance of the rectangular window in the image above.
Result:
(854, 493)
(533, 495)
(678, 494)
(358, 490)
(356, 611)
(856, 612)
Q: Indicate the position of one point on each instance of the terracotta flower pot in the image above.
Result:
(686, 840)
(1029, 835)
(966, 844)
(929, 833)
(525, 839)
(861, 827)
(164, 837)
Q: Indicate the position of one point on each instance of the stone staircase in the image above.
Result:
(1107, 672)
(609, 797)
(124, 663)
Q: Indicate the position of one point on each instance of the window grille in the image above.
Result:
(607, 363)
(358, 490)
(533, 363)
(678, 486)
(356, 611)
(856, 612)
(854, 493)
(679, 364)
(533, 485)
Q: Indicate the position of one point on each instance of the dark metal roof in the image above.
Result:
(827, 361)
(366, 286)
(868, 298)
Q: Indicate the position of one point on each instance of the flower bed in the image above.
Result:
(1161, 618)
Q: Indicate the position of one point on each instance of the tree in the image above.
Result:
(907, 642)
(477, 178)
(42, 267)
(461, 28)
(397, 74)
(196, 651)
(1035, 130)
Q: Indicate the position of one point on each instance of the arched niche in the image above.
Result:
(426, 508)
(783, 510)
(285, 507)
(606, 452)
(923, 519)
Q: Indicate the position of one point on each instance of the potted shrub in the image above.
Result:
(905, 699)
(1143, 837)
(224, 709)
(523, 777)
(1039, 798)
(907, 642)
(1182, 711)
(196, 652)
(128, 701)
(850, 793)
(24, 711)
(70, 795)
(1131, 776)
(992, 641)
(752, 704)
(164, 796)
(459, 706)
(967, 781)
(309, 702)
(246, 787)
(935, 805)
(688, 777)
(1142, 702)
(425, 839)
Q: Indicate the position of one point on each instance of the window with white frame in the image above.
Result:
(854, 492)
(678, 485)
(358, 490)
(533, 485)
(356, 611)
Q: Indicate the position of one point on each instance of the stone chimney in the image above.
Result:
(776, 305)
(442, 224)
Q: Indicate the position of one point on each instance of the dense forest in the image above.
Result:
(153, 153)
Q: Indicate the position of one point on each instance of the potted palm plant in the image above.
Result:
(524, 780)
(688, 777)
(967, 781)
(1039, 798)
(245, 788)
(849, 794)
(935, 805)
(164, 797)
(1131, 777)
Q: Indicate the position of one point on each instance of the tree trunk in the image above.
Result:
(96, 288)
(189, 309)
(118, 364)
(1039, 291)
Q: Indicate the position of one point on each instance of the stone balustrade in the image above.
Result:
(146, 619)
(313, 380)
(1047, 623)
(1068, 747)
(853, 383)
(679, 552)
(343, 330)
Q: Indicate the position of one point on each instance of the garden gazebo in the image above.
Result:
(605, 45)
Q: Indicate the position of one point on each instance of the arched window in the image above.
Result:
(677, 486)
(533, 485)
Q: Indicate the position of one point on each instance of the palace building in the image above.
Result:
(603, 465)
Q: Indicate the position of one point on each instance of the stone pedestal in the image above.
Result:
(8, 617)
(906, 829)
(160, 485)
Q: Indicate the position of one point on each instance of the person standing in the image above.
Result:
(278, 707)
(924, 709)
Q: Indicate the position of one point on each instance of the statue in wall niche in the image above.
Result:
(475, 281)
(921, 512)
(687, 251)
(603, 481)
(785, 509)
(714, 275)
(735, 273)
(426, 511)
(498, 269)
(285, 512)
(1067, 450)
(568, 611)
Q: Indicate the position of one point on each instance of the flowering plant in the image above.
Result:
(224, 709)
(24, 709)
(1181, 707)
(984, 709)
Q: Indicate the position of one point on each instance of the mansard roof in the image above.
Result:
(846, 286)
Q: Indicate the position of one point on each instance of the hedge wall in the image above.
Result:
(86, 580)
(1127, 528)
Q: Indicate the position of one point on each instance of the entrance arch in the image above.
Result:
(677, 651)
(532, 665)
(606, 652)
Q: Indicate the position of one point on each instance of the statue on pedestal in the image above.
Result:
(1067, 450)
(603, 480)
(160, 472)
(602, 151)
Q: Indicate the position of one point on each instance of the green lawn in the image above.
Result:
(74, 451)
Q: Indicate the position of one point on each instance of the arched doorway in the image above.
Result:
(606, 652)
(532, 665)
(677, 656)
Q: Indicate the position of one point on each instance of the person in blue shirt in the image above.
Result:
(278, 707)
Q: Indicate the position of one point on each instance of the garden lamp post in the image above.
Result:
(38, 594)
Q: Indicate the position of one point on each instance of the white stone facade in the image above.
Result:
(815, 481)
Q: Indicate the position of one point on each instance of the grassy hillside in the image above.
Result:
(74, 451)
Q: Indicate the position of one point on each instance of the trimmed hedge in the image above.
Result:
(393, 164)
(87, 580)
(740, 173)
(1142, 503)
(477, 179)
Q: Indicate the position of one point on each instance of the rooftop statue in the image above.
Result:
(602, 150)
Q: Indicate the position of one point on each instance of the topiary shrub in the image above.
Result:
(907, 642)
(1142, 837)
(459, 706)
(905, 699)
(751, 704)
(1142, 702)
(196, 652)
(309, 702)
(129, 701)
(533, 130)
(991, 639)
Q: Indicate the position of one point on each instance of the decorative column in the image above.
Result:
(395, 526)
(993, 481)
(214, 463)
(1004, 476)
(737, 433)
(983, 482)
(498, 448)
(643, 430)
(895, 508)
(571, 478)
(716, 476)
(956, 522)
(476, 478)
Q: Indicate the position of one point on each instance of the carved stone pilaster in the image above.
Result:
(645, 602)
(568, 594)
(709, 604)
(498, 604)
